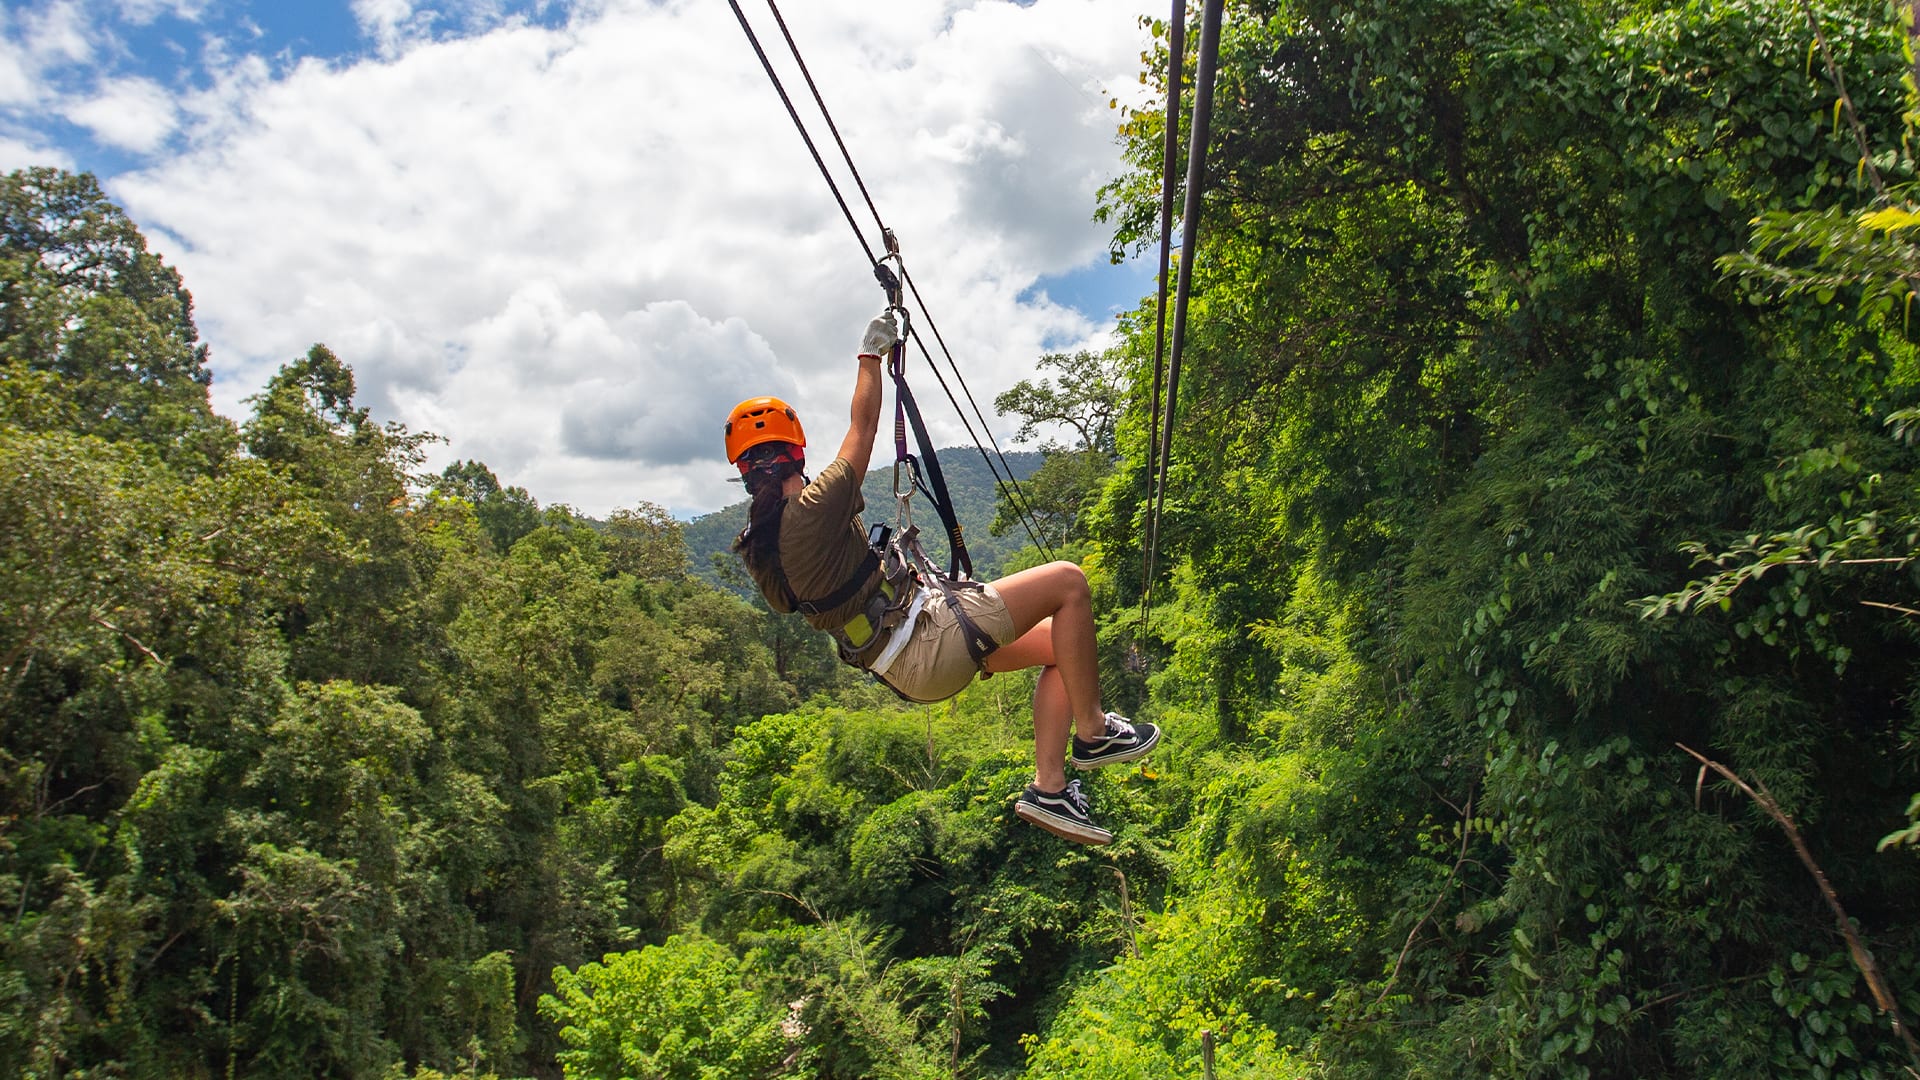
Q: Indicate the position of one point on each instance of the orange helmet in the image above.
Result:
(762, 420)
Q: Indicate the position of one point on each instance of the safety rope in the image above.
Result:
(1018, 500)
(1169, 151)
(1008, 486)
(1189, 244)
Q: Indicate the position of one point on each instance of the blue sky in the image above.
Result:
(566, 235)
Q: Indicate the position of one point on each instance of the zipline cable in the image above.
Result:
(821, 103)
(939, 495)
(1169, 153)
(1189, 242)
(1022, 508)
(1009, 486)
(779, 88)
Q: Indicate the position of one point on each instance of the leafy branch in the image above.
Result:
(1845, 102)
(1812, 546)
(1909, 836)
(1868, 249)
(1862, 957)
(1446, 888)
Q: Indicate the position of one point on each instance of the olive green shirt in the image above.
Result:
(822, 544)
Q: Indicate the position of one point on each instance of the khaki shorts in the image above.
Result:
(934, 665)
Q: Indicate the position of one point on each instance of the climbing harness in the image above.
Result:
(876, 635)
(958, 576)
(906, 410)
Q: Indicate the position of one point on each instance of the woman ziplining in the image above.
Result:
(895, 616)
(923, 632)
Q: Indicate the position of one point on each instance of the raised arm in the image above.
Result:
(857, 447)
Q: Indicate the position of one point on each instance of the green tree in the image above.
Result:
(506, 514)
(83, 300)
(646, 542)
(357, 620)
(1087, 401)
(1463, 370)
(677, 1011)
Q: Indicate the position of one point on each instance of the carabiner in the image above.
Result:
(890, 281)
(903, 496)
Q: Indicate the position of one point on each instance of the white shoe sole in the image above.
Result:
(1079, 832)
(1134, 754)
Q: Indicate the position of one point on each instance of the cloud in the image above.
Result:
(569, 249)
(390, 23)
(15, 154)
(18, 77)
(395, 26)
(57, 33)
(657, 383)
(32, 42)
(131, 113)
(142, 12)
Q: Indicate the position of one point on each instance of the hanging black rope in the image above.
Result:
(1008, 486)
(1189, 244)
(1170, 163)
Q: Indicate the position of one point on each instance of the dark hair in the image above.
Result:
(759, 542)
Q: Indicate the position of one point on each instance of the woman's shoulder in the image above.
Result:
(833, 482)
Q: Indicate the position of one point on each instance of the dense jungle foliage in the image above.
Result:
(1550, 412)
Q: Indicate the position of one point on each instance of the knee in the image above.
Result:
(1070, 580)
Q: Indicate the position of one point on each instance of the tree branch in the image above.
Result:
(1862, 959)
(101, 621)
(1466, 834)
(1891, 607)
(1846, 100)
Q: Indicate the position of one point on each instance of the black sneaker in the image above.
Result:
(1124, 741)
(1062, 813)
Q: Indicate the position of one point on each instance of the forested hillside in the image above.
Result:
(1534, 638)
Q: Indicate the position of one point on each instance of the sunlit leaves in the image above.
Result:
(677, 1011)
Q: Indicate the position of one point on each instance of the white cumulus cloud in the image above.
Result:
(18, 154)
(141, 12)
(390, 24)
(131, 113)
(568, 250)
(19, 81)
(57, 32)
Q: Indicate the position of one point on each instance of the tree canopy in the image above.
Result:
(1534, 638)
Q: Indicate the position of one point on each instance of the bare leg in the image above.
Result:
(1052, 612)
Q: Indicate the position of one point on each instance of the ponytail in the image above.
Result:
(759, 543)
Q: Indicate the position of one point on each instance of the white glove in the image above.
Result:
(881, 335)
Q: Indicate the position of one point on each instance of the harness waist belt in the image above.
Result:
(860, 629)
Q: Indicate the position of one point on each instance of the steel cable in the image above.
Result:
(1189, 244)
(1169, 153)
